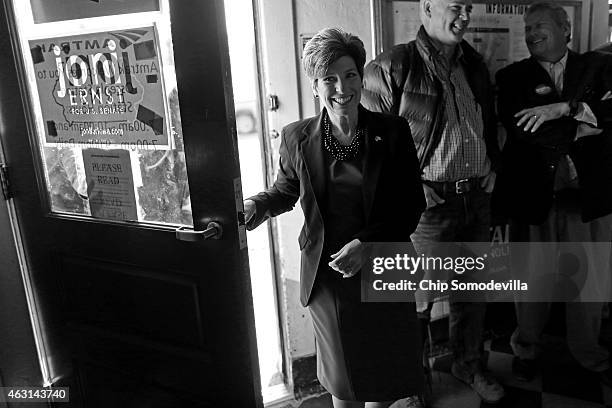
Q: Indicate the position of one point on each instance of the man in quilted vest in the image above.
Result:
(441, 86)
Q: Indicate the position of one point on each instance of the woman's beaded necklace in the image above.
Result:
(338, 150)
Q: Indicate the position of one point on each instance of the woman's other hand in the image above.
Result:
(348, 260)
(249, 210)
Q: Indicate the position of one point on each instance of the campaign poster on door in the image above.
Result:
(102, 89)
(110, 185)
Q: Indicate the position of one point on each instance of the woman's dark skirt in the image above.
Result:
(365, 351)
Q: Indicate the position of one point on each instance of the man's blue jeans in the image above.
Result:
(461, 218)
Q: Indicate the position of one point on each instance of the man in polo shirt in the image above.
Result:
(441, 86)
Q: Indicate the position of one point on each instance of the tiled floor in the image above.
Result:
(561, 383)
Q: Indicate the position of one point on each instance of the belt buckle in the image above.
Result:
(462, 186)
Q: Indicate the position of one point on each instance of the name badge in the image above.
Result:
(543, 89)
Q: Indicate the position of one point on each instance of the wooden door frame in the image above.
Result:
(203, 80)
(198, 100)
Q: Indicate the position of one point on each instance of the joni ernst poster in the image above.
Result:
(102, 89)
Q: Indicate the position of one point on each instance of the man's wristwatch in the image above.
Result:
(574, 105)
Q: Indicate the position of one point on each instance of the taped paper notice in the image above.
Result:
(102, 89)
(110, 186)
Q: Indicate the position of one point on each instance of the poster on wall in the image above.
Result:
(110, 185)
(102, 89)
(45, 11)
(496, 30)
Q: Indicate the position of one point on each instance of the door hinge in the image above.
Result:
(4, 181)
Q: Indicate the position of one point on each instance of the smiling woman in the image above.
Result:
(337, 84)
(341, 164)
(340, 91)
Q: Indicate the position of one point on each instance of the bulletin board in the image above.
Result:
(496, 28)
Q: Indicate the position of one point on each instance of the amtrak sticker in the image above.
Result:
(102, 89)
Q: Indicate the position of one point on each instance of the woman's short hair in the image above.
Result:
(327, 46)
(557, 12)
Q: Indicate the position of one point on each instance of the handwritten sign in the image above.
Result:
(102, 89)
(110, 186)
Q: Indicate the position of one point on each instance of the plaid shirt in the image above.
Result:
(462, 152)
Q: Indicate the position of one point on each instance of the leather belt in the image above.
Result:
(455, 187)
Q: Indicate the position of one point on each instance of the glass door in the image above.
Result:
(107, 117)
(127, 192)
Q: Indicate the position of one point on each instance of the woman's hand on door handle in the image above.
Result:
(249, 210)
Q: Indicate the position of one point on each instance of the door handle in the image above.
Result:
(213, 230)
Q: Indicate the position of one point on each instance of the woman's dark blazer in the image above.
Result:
(392, 190)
